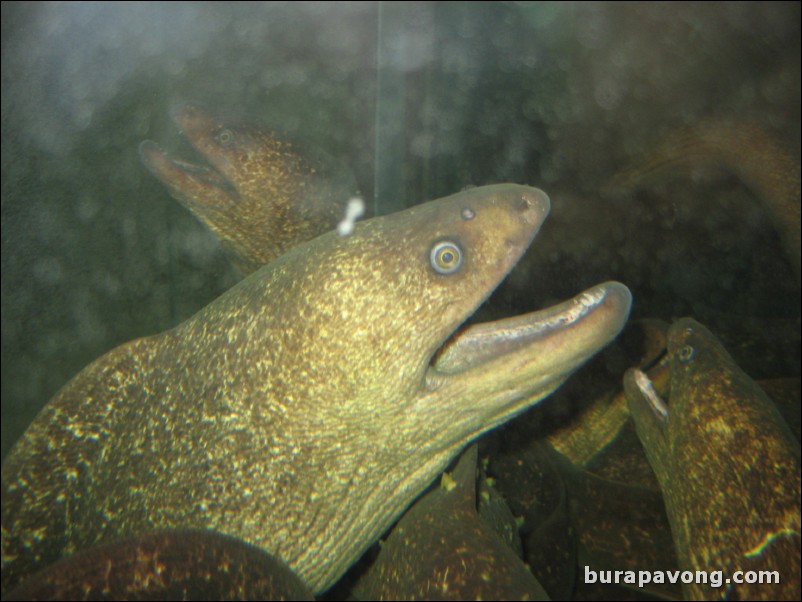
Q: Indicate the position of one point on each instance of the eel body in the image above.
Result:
(176, 564)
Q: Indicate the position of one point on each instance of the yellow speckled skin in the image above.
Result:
(263, 196)
(299, 411)
(729, 469)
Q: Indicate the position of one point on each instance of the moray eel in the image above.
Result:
(728, 466)
(261, 195)
(178, 564)
(749, 151)
(301, 411)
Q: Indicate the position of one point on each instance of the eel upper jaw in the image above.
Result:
(522, 359)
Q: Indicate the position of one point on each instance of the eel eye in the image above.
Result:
(225, 137)
(686, 354)
(445, 257)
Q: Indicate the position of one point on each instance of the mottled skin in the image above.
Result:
(755, 155)
(179, 564)
(261, 195)
(442, 550)
(728, 466)
(300, 411)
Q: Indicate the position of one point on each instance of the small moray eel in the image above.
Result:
(180, 564)
(261, 195)
(302, 411)
(727, 464)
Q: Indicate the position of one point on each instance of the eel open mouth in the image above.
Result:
(181, 176)
(535, 351)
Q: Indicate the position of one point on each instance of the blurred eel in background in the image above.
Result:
(755, 155)
(261, 195)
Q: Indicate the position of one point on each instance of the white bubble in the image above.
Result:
(353, 211)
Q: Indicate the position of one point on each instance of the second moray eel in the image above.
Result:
(728, 466)
(259, 193)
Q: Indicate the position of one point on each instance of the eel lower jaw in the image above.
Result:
(647, 391)
(649, 394)
(528, 356)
